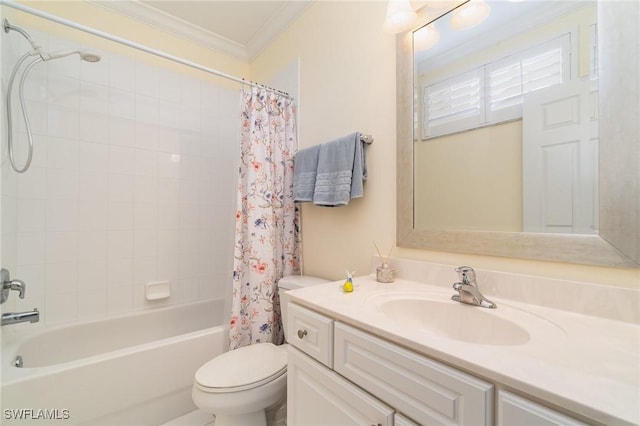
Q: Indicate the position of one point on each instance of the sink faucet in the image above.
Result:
(18, 317)
(467, 289)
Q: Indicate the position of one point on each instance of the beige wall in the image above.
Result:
(347, 68)
(470, 180)
(347, 82)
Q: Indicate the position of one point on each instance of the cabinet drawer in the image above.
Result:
(516, 410)
(425, 390)
(310, 332)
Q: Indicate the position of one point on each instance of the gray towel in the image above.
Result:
(304, 173)
(342, 170)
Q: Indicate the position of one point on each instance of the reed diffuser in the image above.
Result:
(384, 272)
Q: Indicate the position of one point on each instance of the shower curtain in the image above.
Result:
(267, 233)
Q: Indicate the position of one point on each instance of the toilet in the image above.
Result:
(240, 385)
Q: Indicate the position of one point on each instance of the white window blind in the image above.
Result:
(454, 104)
(494, 92)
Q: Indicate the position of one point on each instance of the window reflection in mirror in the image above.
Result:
(505, 120)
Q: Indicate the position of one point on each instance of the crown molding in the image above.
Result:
(285, 16)
(159, 19)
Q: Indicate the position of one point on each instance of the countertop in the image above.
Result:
(584, 364)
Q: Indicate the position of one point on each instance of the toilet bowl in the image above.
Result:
(240, 385)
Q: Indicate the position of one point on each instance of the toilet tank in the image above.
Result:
(292, 282)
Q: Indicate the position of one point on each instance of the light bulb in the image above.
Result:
(400, 16)
(426, 37)
(469, 15)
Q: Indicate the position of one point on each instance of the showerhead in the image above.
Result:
(90, 56)
(84, 55)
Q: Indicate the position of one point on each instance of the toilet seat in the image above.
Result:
(237, 370)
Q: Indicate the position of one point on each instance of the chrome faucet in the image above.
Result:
(9, 284)
(18, 317)
(468, 291)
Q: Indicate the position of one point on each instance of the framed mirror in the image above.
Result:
(465, 180)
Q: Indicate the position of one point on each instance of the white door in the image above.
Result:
(318, 396)
(560, 158)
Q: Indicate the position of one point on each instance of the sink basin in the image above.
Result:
(454, 320)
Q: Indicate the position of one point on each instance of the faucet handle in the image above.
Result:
(467, 275)
(9, 284)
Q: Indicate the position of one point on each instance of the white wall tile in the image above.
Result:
(146, 189)
(119, 300)
(169, 140)
(147, 80)
(93, 157)
(31, 248)
(92, 215)
(92, 245)
(120, 272)
(62, 154)
(61, 308)
(62, 247)
(31, 216)
(61, 277)
(146, 110)
(32, 185)
(94, 98)
(168, 165)
(93, 127)
(120, 216)
(119, 244)
(62, 215)
(92, 274)
(93, 185)
(121, 73)
(63, 122)
(130, 182)
(147, 136)
(122, 131)
(92, 303)
(121, 187)
(62, 184)
(146, 163)
(122, 104)
(121, 160)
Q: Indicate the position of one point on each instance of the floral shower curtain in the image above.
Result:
(267, 234)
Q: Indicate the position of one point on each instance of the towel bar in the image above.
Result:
(368, 139)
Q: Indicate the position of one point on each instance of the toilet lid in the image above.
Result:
(245, 368)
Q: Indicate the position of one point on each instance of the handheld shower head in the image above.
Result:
(84, 55)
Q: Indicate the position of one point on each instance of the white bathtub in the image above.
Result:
(132, 370)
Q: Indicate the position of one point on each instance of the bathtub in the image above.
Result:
(131, 370)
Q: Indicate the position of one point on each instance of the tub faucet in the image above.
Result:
(467, 289)
(9, 284)
(18, 317)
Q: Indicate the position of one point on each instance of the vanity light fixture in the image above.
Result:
(400, 16)
(469, 15)
(426, 37)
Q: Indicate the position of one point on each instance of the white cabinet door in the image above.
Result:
(428, 391)
(318, 396)
(515, 410)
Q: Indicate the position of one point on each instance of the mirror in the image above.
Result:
(442, 141)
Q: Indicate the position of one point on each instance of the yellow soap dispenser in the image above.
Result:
(347, 287)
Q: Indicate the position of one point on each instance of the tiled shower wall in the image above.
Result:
(132, 181)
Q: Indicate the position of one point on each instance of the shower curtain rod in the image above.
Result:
(12, 4)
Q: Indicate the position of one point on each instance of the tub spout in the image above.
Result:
(18, 317)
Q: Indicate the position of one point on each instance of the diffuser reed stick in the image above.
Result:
(380, 254)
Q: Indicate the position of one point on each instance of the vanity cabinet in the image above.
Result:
(516, 410)
(369, 381)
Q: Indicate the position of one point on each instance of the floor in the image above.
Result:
(276, 416)
(194, 418)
